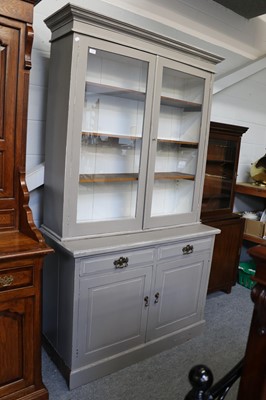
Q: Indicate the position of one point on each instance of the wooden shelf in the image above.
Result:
(186, 105)
(179, 142)
(110, 135)
(159, 140)
(254, 239)
(115, 91)
(173, 176)
(99, 178)
(108, 178)
(108, 90)
(220, 178)
(251, 189)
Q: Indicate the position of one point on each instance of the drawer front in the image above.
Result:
(16, 278)
(185, 248)
(116, 261)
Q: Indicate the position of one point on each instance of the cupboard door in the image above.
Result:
(176, 161)
(113, 313)
(114, 137)
(9, 63)
(178, 297)
(16, 345)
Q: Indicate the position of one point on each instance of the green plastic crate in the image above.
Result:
(245, 272)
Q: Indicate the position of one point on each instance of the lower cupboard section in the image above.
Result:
(104, 312)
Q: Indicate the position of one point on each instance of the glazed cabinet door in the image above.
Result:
(176, 147)
(113, 313)
(136, 147)
(9, 67)
(16, 349)
(112, 132)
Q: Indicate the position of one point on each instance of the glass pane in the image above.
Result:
(111, 137)
(219, 175)
(177, 143)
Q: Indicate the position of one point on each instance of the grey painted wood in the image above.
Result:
(113, 315)
(180, 294)
(57, 127)
(192, 215)
(130, 30)
(99, 311)
(123, 241)
(65, 106)
(97, 317)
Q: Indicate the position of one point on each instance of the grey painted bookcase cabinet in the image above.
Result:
(127, 134)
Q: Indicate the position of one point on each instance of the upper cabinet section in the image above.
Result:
(126, 127)
(221, 169)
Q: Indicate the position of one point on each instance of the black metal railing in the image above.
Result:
(201, 379)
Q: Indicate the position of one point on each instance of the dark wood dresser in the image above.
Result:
(22, 247)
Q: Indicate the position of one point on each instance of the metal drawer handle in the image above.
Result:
(6, 280)
(188, 249)
(157, 295)
(146, 301)
(121, 262)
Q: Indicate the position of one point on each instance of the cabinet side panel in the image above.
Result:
(67, 307)
(50, 298)
(58, 303)
(56, 132)
(226, 254)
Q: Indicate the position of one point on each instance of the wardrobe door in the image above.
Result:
(9, 64)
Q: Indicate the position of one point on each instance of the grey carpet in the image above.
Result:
(164, 376)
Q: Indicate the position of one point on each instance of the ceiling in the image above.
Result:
(246, 8)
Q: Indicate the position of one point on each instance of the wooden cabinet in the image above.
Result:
(125, 153)
(114, 309)
(218, 201)
(22, 247)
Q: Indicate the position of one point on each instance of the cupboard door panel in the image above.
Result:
(16, 345)
(113, 304)
(9, 62)
(9, 39)
(176, 301)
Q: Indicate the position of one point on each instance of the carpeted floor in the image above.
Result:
(164, 376)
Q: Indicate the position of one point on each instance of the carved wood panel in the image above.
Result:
(16, 328)
(9, 66)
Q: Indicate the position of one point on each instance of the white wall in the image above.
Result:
(202, 23)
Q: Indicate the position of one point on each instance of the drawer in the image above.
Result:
(116, 261)
(16, 278)
(185, 248)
